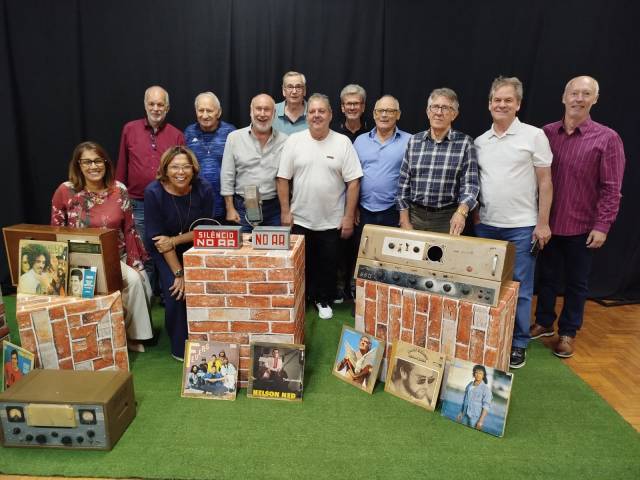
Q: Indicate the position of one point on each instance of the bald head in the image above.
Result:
(584, 79)
(262, 111)
(580, 94)
(156, 104)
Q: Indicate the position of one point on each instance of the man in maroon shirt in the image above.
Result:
(142, 144)
(587, 169)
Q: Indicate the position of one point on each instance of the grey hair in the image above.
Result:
(166, 94)
(322, 97)
(294, 74)
(353, 89)
(595, 82)
(501, 81)
(210, 95)
(447, 93)
(395, 100)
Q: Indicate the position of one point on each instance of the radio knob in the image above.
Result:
(466, 290)
(428, 284)
(16, 431)
(486, 297)
(41, 439)
(480, 296)
(29, 437)
(392, 245)
(416, 249)
(66, 440)
(395, 277)
(79, 439)
(412, 281)
(446, 287)
(54, 434)
(380, 274)
(91, 433)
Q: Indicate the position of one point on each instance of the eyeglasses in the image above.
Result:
(291, 88)
(87, 162)
(187, 167)
(441, 108)
(388, 111)
(352, 104)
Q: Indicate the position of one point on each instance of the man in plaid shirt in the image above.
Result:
(438, 182)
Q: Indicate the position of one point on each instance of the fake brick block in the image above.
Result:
(457, 328)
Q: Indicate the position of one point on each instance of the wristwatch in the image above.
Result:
(179, 273)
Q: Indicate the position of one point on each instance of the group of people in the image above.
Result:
(216, 376)
(557, 188)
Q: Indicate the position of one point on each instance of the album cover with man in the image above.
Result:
(358, 359)
(276, 371)
(415, 374)
(210, 370)
(43, 267)
(16, 363)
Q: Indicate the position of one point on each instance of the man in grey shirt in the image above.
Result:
(251, 157)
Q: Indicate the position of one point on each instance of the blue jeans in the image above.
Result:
(523, 272)
(138, 219)
(566, 255)
(270, 213)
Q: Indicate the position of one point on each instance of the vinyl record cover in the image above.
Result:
(16, 363)
(43, 267)
(210, 370)
(477, 396)
(415, 374)
(82, 281)
(358, 358)
(277, 371)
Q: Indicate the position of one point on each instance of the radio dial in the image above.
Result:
(16, 431)
(446, 287)
(41, 439)
(66, 440)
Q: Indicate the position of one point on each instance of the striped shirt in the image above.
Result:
(438, 174)
(587, 174)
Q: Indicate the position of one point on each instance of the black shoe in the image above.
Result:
(518, 357)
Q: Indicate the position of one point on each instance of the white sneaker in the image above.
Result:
(324, 311)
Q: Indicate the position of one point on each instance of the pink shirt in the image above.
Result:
(587, 174)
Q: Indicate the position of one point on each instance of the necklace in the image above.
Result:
(182, 225)
(209, 144)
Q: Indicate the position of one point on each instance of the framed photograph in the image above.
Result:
(277, 371)
(16, 363)
(82, 281)
(43, 267)
(477, 396)
(358, 359)
(415, 374)
(210, 370)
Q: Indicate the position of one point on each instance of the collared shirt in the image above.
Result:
(140, 152)
(246, 162)
(508, 181)
(438, 174)
(341, 128)
(380, 167)
(282, 123)
(208, 148)
(587, 175)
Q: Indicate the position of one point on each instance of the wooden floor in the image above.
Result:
(607, 358)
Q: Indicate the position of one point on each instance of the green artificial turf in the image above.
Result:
(557, 428)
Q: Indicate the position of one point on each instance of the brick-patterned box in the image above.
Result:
(72, 333)
(234, 295)
(4, 325)
(457, 328)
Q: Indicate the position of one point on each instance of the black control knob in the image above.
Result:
(380, 274)
(66, 440)
(54, 434)
(91, 433)
(416, 249)
(40, 438)
(487, 297)
(446, 287)
(466, 290)
(29, 437)
(392, 245)
(79, 439)
(428, 284)
(16, 431)
(480, 296)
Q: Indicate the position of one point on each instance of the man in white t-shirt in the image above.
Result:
(321, 169)
(514, 163)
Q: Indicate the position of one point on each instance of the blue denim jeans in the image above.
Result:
(523, 272)
(149, 267)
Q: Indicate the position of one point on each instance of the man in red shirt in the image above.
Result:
(12, 372)
(587, 170)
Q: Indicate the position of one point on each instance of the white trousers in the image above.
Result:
(136, 293)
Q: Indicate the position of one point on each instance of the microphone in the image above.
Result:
(252, 205)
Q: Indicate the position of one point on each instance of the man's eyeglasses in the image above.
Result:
(352, 104)
(87, 162)
(388, 111)
(441, 108)
(291, 88)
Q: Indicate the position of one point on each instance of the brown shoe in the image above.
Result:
(537, 331)
(564, 347)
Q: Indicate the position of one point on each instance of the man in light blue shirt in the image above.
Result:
(291, 114)
(380, 152)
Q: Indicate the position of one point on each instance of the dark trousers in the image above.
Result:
(568, 255)
(321, 256)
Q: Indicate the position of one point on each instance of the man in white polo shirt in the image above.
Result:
(324, 171)
(514, 163)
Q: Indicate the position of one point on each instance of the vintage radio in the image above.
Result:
(67, 409)
(459, 267)
(93, 247)
(217, 236)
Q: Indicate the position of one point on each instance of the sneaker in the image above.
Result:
(564, 347)
(177, 358)
(537, 331)
(324, 311)
(518, 357)
(339, 297)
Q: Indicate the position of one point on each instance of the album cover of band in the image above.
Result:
(210, 370)
(16, 363)
(358, 358)
(415, 374)
(43, 267)
(477, 396)
(276, 371)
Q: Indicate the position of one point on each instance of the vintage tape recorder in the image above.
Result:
(67, 409)
(466, 268)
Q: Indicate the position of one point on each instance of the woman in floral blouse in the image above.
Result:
(93, 198)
